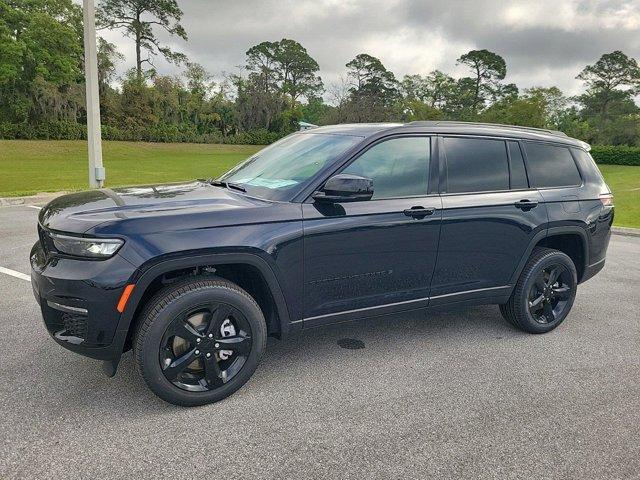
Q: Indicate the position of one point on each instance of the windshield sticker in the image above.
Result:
(267, 182)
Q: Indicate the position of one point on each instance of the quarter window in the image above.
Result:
(517, 170)
(551, 166)
(476, 165)
(398, 167)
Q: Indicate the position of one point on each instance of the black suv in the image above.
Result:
(324, 226)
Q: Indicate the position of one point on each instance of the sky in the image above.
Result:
(544, 42)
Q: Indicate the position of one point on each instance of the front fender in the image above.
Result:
(145, 275)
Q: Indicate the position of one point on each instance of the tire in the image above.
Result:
(182, 372)
(544, 293)
(507, 314)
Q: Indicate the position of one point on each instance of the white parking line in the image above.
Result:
(34, 206)
(13, 273)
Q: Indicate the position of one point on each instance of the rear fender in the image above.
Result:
(550, 232)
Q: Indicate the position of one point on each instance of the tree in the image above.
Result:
(369, 74)
(489, 68)
(257, 108)
(261, 63)
(286, 67)
(429, 97)
(40, 58)
(280, 74)
(611, 71)
(198, 79)
(516, 111)
(138, 18)
(554, 102)
(108, 57)
(298, 71)
(315, 110)
(434, 89)
(613, 78)
(374, 90)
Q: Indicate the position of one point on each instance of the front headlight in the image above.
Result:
(86, 247)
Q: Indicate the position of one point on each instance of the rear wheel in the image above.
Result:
(199, 341)
(544, 293)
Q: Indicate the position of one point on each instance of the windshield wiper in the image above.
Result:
(235, 186)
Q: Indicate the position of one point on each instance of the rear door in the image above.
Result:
(489, 216)
(375, 255)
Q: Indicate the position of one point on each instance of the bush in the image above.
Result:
(161, 132)
(255, 137)
(616, 155)
(59, 130)
(8, 131)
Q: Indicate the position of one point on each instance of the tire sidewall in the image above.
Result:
(553, 258)
(150, 344)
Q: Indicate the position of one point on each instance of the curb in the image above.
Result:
(626, 231)
(29, 200)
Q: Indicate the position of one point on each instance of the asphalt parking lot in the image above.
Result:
(440, 394)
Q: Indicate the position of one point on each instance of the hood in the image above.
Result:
(83, 211)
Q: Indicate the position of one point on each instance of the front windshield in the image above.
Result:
(275, 171)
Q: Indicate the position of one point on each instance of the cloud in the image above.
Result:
(544, 42)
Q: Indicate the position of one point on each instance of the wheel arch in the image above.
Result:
(559, 238)
(148, 277)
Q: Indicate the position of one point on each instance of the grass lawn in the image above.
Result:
(28, 167)
(625, 183)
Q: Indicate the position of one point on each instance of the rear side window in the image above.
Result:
(476, 165)
(551, 166)
(586, 162)
(518, 172)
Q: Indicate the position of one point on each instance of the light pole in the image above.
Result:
(94, 136)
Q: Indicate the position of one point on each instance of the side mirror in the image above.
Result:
(345, 188)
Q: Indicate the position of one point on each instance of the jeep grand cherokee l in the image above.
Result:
(327, 225)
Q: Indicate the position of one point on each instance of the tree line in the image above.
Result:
(279, 85)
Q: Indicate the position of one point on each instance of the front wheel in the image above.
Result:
(199, 341)
(544, 293)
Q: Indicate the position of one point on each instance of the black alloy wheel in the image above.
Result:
(199, 340)
(544, 293)
(550, 293)
(205, 347)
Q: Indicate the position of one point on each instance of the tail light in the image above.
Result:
(606, 199)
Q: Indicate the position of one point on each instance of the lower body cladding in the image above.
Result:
(79, 302)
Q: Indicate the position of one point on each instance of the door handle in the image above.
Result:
(419, 212)
(526, 204)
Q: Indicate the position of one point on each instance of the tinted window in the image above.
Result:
(398, 167)
(277, 170)
(476, 165)
(551, 166)
(586, 163)
(517, 170)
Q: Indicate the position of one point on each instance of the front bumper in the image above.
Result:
(78, 300)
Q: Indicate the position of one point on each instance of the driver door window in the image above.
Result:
(398, 167)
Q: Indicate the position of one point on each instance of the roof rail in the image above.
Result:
(444, 123)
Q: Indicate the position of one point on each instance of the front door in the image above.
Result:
(378, 255)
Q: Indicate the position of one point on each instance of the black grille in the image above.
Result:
(75, 325)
